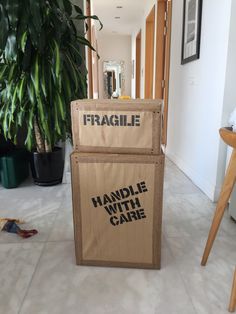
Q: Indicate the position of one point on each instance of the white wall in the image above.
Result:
(148, 8)
(112, 47)
(230, 90)
(199, 99)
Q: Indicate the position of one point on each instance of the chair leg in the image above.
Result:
(232, 304)
(220, 208)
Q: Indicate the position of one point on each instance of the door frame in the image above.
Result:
(89, 51)
(149, 53)
(163, 41)
(138, 65)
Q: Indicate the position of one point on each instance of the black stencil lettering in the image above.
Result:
(97, 201)
(111, 209)
(114, 221)
(123, 219)
(135, 203)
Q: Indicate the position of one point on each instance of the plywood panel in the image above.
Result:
(117, 204)
(117, 126)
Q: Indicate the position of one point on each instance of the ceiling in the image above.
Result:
(130, 15)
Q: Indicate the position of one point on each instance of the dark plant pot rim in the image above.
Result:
(55, 150)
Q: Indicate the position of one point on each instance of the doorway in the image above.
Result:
(149, 56)
(138, 64)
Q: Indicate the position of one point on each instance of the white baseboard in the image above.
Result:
(202, 183)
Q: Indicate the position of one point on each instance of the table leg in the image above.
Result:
(232, 304)
(226, 190)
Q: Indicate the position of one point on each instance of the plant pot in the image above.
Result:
(47, 168)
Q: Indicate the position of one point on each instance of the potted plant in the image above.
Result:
(41, 71)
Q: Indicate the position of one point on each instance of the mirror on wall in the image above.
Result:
(114, 80)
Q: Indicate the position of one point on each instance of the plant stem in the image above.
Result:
(48, 147)
(38, 138)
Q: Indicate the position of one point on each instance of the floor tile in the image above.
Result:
(209, 287)
(17, 264)
(37, 206)
(59, 286)
(62, 229)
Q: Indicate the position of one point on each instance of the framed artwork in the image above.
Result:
(192, 17)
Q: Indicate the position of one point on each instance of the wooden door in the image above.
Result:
(163, 36)
(149, 62)
(138, 64)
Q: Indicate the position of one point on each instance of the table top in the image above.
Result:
(228, 136)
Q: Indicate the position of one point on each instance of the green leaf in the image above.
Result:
(78, 9)
(42, 42)
(11, 47)
(34, 35)
(35, 75)
(56, 120)
(30, 133)
(43, 82)
(85, 17)
(23, 41)
(27, 58)
(12, 8)
(4, 26)
(31, 118)
(77, 52)
(11, 72)
(85, 42)
(61, 106)
(31, 93)
(6, 120)
(21, 116)
(3, 71)
(13, 103)
(25, 18)
(21, 89)
(36, 15)
(72, 71)
(68, 7)
(66, 86)
(57, 59)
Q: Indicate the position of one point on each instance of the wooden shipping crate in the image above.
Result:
(117, 209)
(115, 126)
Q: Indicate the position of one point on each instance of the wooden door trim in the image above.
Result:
(167, 72)
(90, 55)
(160, 49)
(149, 54)
(138, 65)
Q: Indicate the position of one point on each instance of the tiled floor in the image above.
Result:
(39, 275)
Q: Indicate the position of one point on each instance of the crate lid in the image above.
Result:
(108, 104)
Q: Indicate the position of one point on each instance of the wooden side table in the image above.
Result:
(229, 137)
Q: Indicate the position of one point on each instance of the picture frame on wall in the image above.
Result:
(192, 18)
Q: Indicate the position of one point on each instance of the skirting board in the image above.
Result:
(204, 185)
